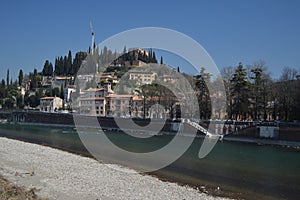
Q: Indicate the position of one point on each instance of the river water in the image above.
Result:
(232, 169)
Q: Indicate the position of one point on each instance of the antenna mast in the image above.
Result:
(93, 37)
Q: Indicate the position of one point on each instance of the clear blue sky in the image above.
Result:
(231, 31)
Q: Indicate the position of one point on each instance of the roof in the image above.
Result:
(71, 86)
(140, 72)
(92, 99)
(62, 78)
(137, 98)
(94, 89)
(119, 96)
(48, 98)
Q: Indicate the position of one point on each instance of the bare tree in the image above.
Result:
(227, 74)
(286, 92)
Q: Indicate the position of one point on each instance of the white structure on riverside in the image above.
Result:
(50, 104)
(268, 131)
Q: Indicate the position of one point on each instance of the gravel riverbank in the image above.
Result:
(56, 174)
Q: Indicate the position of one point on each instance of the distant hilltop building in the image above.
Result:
(142, 77)
(135, 57)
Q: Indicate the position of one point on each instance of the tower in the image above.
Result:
(93, 37)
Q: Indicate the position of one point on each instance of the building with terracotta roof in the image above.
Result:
(50, 104)
(118, 105)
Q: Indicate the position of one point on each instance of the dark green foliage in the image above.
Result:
(7, 77)
(61, 92)
(20, 77)
(48, 69)
(240, 94)
(64, 65)
(201, 81)
(3, 93)
(35, 80)
(79, 57)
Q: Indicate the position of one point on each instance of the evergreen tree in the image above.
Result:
(56, 92)
(21, 76)
(3, 89)
(154, 60)
(61, 92)
(56, 66)
(260, 90)
(48, 69)
(64, 66)
(240, 92)
(202, 80)
(35, 78)
(7, 77)
(79, 57)
(69, 64)
(161, 60)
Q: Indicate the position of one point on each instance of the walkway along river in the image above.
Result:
(232, 169)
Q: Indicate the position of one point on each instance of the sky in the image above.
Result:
(231, 31)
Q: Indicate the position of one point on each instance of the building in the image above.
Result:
(169, 78)
(137, 109)
(68, 91)
(106, 78)
(50, 104)
(60, 80)
(142, 77)
(118, 105)
(94, 106)
(94, 92)
(92, 101)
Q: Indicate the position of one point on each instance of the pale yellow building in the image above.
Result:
(50, 104)
(142, 77)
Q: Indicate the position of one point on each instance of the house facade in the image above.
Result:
(94, 106)
(142, 77)
(92, 102)
(118, 105)
(50, 104)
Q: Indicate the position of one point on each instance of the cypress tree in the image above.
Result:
(69, 64)
(7, 77)
(161, 60)
(21, 75)
(61, 92)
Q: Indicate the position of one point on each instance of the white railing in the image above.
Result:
(202, 129)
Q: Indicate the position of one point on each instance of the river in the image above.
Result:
(232, 169)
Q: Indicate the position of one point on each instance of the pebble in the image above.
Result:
(62, 175)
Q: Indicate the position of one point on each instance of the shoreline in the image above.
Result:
(60, 174)
(248, 140)
(171, 174)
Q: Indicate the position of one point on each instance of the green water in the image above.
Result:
(240, 170)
